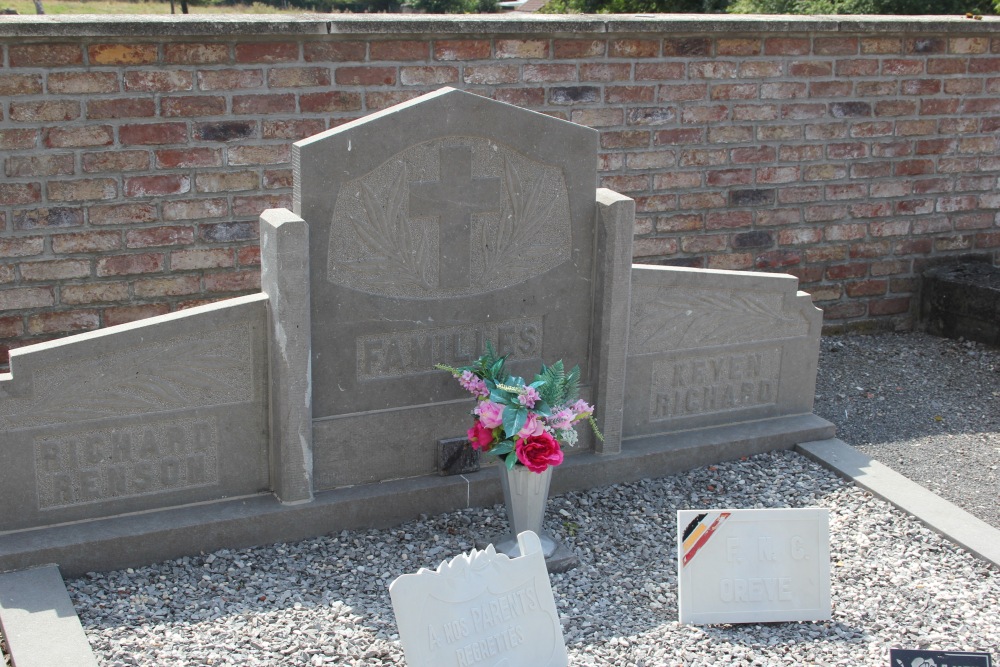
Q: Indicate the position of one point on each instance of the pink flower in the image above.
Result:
(529, 397)
(473, 384)
(562, 419)
(533, 426)
(538, 452)
(490, 413)
(582, 408)
(480, 437)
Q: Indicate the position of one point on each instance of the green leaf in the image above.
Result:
(502, 447)
(514, 420)
(511, 462)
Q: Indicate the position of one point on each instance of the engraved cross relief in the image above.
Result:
(454, 199)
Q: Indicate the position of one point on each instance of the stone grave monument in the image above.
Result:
(418, 234)
(480, 608)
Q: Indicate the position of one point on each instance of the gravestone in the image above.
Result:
(481, 608)
(435, 227)
(753, 565)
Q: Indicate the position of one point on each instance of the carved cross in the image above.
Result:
(453, 200)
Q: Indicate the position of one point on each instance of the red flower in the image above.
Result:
(480, 437)
(538, 452)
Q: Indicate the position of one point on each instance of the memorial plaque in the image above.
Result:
(753, 566)
(899, 657)
(437, 226)
(481, 608)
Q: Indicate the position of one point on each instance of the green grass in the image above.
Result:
(54, 7)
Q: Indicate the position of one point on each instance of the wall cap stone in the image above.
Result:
(76, 26)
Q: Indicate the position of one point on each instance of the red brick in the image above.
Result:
(826, 131)
(913, 167)
(151, 134)
(159, 236)
(259, 155)
(20, 193)
(843, 310)
(201, 258)
(846, 271)
(866, 288)
(921, 87)
(825, 292)
(122, 54)
(752, 155)
(63, 322)
(462, 49)
(931, 225)
(597, 117)
(149, 288)
(653, 247)
(802, 111)
(329, 102)
(800, 195)
(634, 48)
(704, 114)
(155, 186)
(158, 81)
(838, 46)
(173, 158)
(122, 107)
(778, 174)
(193, 105)
(188, 53)
(253, 205)
(298, 77)
(800, 236)
(82, 83)
(44, 111)
(703, 157)
(83, 189)
(680, 223)
(857, 67)
(296, 129)
(881, 45)
(22, 166)
(15, 139)
(913, 247)
(603, 72)
(230, 181)
(20, 84)
(705, 243)
(661, 71)
(125, 265)
(621, 183)
(225, 130)
(11, 327)
(652, 159)
(738, 46)
(675, 137)
(494, 74)
(683, 92)
(366, 76)
(876, 88)
(196, 209)
(655, 203)
(102, 292)
(687, 47)
(381, 100)
(115, 161)
(578, 48)
(122, 214)
(734, 91)
(334, 51)
(521, 48)
(267, 52)
(675, 180)
(776, 259)
(45, 55)
(228, 79)
(89, 242)
(61, 269)
(263, 104)
(79, 137)
(427, 75)
(760, 69)
(830, 89)
(947, 65)
(786, 46)
(234, 281)
(933, 107)
(278, 178)
(728, 219)
(727, 177)
(712, 70)
(22, 298)
(969, 86)
(399, 50)
(988, 240)
(844, 232)
(783, 91)
(896, 306)
(124, 315)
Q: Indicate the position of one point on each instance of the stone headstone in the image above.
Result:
(480, 609)
(753, 566)
(710, 348)
(437, 226)
(899, 657)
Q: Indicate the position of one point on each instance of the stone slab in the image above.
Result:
(155, 413)
(708, 348)
(948, 520)
(438, 225)
(39, 622)
(480, 607)
(962, 301)
(143, 538)
(753, 565)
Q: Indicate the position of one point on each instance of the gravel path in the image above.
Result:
(894, 583)
(927, 407)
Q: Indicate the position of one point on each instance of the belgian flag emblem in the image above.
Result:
(698, 532)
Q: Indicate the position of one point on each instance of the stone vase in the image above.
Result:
(525, 493)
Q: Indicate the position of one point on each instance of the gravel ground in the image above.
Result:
(925, 406)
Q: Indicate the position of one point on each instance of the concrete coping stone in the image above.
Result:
(569, 25)
(948, 520)
(39, 622)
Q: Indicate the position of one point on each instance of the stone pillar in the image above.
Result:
(615, 225)
(284, 260)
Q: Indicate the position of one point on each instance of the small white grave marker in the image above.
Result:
(480, 609)
(753, 566)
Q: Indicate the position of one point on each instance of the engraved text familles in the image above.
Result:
(404, 353)
(108, 464)
(490, 629)
(689, 386)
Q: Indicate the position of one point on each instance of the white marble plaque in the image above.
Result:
(480, 609)
(753, 566)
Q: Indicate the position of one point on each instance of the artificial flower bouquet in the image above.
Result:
(520, 423)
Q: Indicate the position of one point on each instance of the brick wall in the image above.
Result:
(137, 157)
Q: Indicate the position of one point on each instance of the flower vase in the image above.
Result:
(525, 493)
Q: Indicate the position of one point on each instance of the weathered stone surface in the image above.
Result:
(438, 225)
(962, 301)
(708, 348)
(155, 413)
